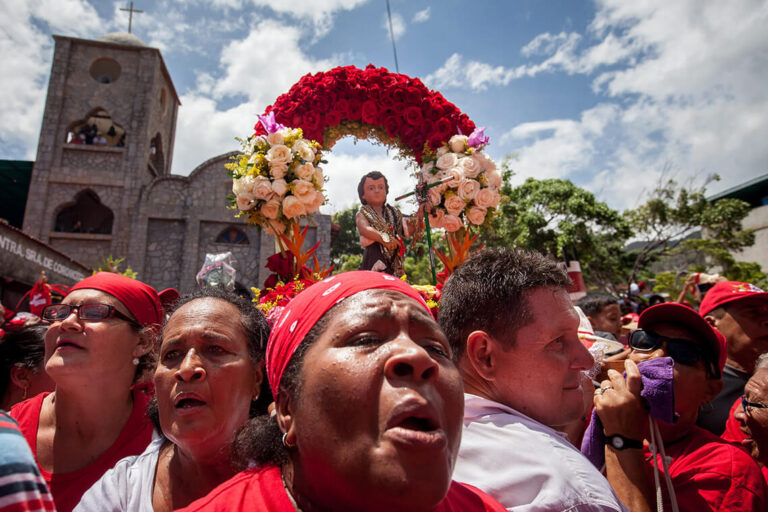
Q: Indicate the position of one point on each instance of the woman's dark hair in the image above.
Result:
(24, 346)
(592, 305)
(256, 334)
(374, 175)
(260, 440)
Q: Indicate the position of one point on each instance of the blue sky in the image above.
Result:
(611, 94)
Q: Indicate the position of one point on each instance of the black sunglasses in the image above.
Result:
(680, 350)
(747, 404)
(59, 312)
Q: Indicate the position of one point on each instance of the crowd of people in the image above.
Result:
(358, 398)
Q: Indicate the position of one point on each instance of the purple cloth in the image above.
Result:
(658, 393)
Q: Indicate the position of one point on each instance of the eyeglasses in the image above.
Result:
(747, 405)
(680, 350)
(87, 312)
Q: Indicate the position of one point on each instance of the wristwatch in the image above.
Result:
(620, 442)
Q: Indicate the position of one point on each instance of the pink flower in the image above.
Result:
(452, 223)
(476, 215)
(454, 205)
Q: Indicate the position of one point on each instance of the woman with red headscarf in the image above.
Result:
(369, 407)
(99, 344)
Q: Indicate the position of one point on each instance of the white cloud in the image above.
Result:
(26, 52)
(456, 72)
(398, 25)
(318, 12)
(422, 16)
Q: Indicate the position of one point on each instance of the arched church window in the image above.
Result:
(96, 128)
(232, 235)
(156, 154)
(105, 70)
(86, 214)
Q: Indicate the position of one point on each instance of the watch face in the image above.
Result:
(617, 442)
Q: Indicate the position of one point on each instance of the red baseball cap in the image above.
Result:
(675, 313)
(729, 291)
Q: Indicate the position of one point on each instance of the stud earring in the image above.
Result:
(135, 361)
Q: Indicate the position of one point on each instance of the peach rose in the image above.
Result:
(485, 161)
(305, 171)
(274, 227)
(458, 143)
(244, 203)
(476, 215)
(278, 170)
(454, 205)
(434, 196)
(427, 168)
(441, 151)
(243, 187)
(271, 209)
(471, 166)
(318, 177)
(468, 188)
(457, 173)
(484, 198)
(447, 161)
(452, 223)
(436, 219)
(494, 178)
(317, 203)
(293, 208)
(304, 150)
(275, 138)
(279, 187)
(304, 191)
(279, 153)
(262, 188)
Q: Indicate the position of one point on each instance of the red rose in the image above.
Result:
(332, 118)
(311, 121)
(413, 116)
(370, 112)
(443, 128)
(392, 125)
(342, 107)
(398, 94)
(354, 110)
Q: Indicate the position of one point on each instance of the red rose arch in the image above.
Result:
(372, 102)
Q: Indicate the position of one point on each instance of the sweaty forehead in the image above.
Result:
(382, 302)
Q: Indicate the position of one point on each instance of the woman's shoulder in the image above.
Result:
(464, 497)
(258, 488)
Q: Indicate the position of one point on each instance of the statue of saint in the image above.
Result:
(382, 227)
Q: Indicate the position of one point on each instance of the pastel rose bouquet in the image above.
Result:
(471, 183)
(276, 178)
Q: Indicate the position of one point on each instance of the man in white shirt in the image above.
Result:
(523, 371)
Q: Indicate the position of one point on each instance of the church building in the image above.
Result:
(101, 182)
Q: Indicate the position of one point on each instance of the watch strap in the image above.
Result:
(620, 442)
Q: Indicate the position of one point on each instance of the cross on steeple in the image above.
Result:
(130, 10)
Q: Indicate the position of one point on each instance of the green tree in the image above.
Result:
(346, 242)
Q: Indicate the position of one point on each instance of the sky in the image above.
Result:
(611, 94)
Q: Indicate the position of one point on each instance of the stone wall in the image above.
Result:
(246, 256)
(164, 253)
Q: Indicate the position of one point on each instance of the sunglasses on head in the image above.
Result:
(95, 312)
(680, 350)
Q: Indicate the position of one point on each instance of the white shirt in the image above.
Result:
(127, 486)
(527, 466)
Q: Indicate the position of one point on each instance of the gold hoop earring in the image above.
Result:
(285, 441)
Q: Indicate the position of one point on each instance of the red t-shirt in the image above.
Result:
(262, 489)
(68, 488)
(732, 432)
(711, 474)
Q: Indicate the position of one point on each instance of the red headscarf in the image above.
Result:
(142, 300)
(303, 312)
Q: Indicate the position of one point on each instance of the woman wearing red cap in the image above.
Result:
(98, 345)
(369, 408)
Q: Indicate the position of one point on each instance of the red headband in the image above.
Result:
(304, 311)
(141, 299)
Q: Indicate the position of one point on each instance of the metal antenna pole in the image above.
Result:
(392, 35)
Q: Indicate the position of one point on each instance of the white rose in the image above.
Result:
(447, 161)
(244, 203)
(305, 171)
(274, 227)
(452, 223)
(484, 198)
(304, 191)
(458, 143)
(278, 169)
(434, 196)
(304, 150)
(427, 168)
(468, 188)
(436, 219)
(441, 151)
(279, 153)
(471, 166)
(293, 208)
(486, 161)
(275, 138)
(262, 188)
(243, 187)
(494, 178)
(271, 209)
(279, 187)
(476, 215)
(454, 205)
(457, 174)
